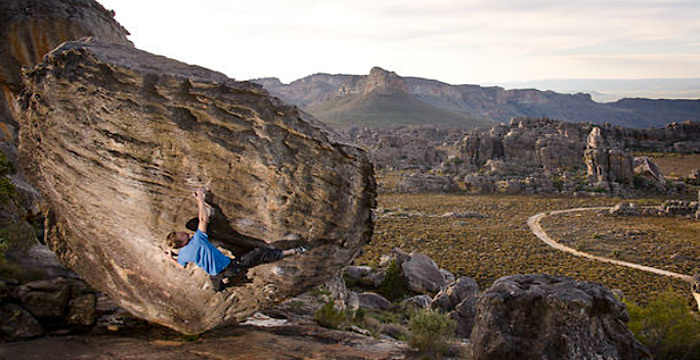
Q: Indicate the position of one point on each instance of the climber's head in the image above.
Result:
(177, 239)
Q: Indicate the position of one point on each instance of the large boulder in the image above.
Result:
(116, 139)
(646, 167)
(605, 162)
(547, 317)
(422, 274)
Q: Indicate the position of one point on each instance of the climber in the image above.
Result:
(221, 269)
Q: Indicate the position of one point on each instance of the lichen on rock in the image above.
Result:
(116, 138)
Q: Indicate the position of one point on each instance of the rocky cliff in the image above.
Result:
(319, 93)
(381, 99)
(31, 28)
(116, 138)
(28, 30)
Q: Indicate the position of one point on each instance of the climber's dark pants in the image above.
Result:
(237, 267)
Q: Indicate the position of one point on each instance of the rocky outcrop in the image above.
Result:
(28, 30)
(685, 208)
(546, 317)
(378, 80)
(46, 305)
(116, 139)
(31, 28)
(643, 166)
(417, 183)
(404, 147)
(606, 162)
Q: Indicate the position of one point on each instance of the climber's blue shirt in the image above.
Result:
(201, 252)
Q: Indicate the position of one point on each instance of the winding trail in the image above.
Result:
(534, 223)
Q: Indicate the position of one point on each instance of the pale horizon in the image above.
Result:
(456, 42)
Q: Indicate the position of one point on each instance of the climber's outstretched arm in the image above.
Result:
(203, 211)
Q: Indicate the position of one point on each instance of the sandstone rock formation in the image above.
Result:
(116, 138)
(643, 166)
(31, 28)
(546, 317)
(606, 162)
(28, 30)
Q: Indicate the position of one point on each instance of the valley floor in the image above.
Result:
(492, 239)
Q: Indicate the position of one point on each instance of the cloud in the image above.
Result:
(467, 39)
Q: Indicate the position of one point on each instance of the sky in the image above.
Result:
(454, 41)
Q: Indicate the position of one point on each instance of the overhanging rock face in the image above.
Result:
(116, 139)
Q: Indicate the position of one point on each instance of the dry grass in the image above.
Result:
(669, 243)
(675, 165)
(501, 243)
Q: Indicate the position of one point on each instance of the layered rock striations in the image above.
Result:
(477, 103)
(528, 155)
(31, 28)
(116, 139)
(28, 30)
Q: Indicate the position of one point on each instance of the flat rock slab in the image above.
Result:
(116, 139)
(242, 343)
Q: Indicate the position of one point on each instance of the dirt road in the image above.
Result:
(534, 223)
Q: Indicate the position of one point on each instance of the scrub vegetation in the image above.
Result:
(500, 243)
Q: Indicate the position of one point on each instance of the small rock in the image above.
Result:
(370, 300)
(417, 302)
(357, 272)
(625, 209)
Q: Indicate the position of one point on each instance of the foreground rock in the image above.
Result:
(116, 139)
(459, 300)
(546, 317)
(239, 343)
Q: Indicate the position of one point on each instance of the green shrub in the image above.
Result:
(6, 167)
(430, 332)
(16, 237)
(7, 189)
(329, 316)
(392, 286)
(667, 327)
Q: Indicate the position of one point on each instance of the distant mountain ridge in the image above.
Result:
(385, 99)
